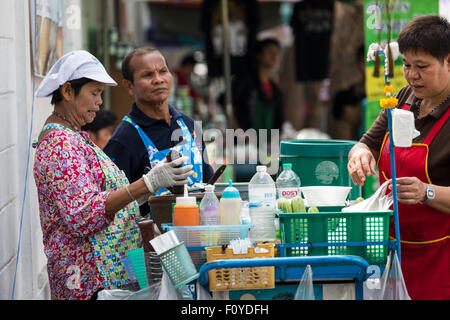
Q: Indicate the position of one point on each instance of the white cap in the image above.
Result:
(261, 168)
(185, 200)
(73, 65)
(209, 188)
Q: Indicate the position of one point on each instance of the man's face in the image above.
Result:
(270, 56)
(152, 80)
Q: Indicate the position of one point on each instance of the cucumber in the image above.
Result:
(298, 204)
(313, 210)
(284, 205)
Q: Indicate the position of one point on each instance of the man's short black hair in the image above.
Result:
(103, 119)
(262, 44)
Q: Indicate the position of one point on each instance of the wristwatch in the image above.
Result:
(429, 195)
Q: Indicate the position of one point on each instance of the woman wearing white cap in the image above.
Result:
(87, 207)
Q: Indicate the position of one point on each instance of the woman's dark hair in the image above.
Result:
(430, 34)
(103, 119)
(127, 71)
(76, 86)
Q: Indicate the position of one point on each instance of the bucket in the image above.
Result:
(179, 266)
(320, 162)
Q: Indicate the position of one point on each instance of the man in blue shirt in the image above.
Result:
(152, 127)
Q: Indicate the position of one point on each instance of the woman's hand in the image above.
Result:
(410, 190)
(361, 162)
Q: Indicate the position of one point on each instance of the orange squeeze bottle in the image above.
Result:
(185, 211)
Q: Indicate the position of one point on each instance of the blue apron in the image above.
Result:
(189, 149)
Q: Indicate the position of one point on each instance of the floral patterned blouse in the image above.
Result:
(71, 190)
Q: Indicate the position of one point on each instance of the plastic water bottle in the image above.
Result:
(288, 183)
(262, 205)
(209, 207)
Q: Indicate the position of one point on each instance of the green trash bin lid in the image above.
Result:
(315, 148)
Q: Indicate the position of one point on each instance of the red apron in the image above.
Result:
(424, 231)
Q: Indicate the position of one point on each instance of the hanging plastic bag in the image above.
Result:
(391, 286)
(305, 290)
(168, 291)
(379, 201)
(392, 282)
(202, 293)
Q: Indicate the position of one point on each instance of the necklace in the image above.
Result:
(65, 119)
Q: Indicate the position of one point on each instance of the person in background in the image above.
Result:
(257, 99)
(88, 209)
(422, 170)
(183, 74)
(153, 127)
(101, 129)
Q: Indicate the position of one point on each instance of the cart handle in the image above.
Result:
(282, 262)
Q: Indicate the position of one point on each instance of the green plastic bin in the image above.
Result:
(320, 162)
(179, 266)
(330, 225)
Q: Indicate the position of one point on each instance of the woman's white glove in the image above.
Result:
(166, 174)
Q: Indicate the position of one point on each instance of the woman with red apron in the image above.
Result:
(424, 231)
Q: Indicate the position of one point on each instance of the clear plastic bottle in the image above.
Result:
(262, 205)
(230, 206)
(288, 183)
(209, 207)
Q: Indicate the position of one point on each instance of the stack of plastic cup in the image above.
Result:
(131, 275)
(136, 257)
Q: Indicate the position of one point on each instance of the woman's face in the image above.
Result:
(87, 102)
(428, 76)
(152, 80)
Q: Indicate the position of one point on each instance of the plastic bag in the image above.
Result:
(305, 290)
(379, 201)
(202, 293)
(391, 286)
(168, 291)
(149, 293)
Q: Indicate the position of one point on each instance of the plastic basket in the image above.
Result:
(332, 232)
(207, 236)
(240, 278)
(178, 265)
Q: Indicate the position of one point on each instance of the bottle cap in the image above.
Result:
(230, 191)
(186, 200)
(261, 168)
(287, 165)
(209, 188)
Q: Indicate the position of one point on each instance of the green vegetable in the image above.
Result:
(298, 205)
(359, 199)
(284, 205)
(313, 210)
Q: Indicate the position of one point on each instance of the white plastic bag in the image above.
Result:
(149, 293)
(202, 293)
(392, 283)
(379, 201)
(305, 290)
(391, 286)
(168, 291)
